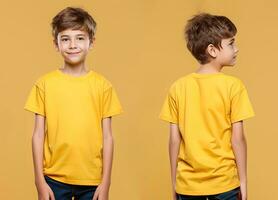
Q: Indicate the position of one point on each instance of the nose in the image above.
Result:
(236, 49)
(72, 44)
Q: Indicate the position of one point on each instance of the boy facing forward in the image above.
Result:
(72, 140)
(206, 110)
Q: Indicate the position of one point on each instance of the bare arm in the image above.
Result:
(44, 191)
(240, 150)
(108, 145)
(174, 144)
(37, 148)
(102, 191)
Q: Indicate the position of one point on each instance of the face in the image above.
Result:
(227, 54)
(73, 45)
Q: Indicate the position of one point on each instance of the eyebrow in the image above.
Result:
(232, 40)
(76, 35)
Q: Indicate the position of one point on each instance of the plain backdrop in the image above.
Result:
(140, 48)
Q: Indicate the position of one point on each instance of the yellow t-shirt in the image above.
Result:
(204, 106)
(73, 108)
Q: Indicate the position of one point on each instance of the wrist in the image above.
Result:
(39, 181)
(106, 183)
(243, 183)
(40, 184)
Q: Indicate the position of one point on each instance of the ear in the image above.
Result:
(212, 50)
(92, 41)
(55, 43)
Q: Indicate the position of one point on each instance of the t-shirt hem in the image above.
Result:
(33, 110)
(184, 191)
(243, 118)
(76, 182)
(168, 119)
(110, 114)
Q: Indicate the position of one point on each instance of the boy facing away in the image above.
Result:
(206, 110)
(72, 139)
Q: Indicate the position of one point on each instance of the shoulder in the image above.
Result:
(235, 83)
(233, 79)
(41, 80)
(179, 85)
(100, 80)
(182, 81)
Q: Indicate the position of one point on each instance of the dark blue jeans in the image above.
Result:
(230, 195)
(63, 191)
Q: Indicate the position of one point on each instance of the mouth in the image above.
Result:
(73, 53)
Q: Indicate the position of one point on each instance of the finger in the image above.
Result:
(52, 197)
(95, 197)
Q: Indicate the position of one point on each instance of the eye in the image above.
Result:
(80, 38)
(64, 39)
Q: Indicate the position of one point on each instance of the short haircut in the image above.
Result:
(204, 29)
(73, 18)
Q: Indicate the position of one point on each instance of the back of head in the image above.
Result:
(73, 18)
(204, 29)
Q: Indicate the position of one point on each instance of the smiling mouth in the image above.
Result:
(73, 53)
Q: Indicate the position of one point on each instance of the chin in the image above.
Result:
(231, 64)
(74, 62)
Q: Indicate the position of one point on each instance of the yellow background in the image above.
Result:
(140, 48)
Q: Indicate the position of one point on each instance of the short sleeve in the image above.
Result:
(169, 111)
(111, 103)
(241, 107)
(35, 102)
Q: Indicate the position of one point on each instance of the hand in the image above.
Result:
(243, 192)
(45, 192)
(102, 192)
(174, 196)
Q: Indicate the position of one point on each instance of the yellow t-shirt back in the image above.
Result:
(73, 108)
(204, 106)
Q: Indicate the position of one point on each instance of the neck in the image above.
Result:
(209, 68)
(75, 69)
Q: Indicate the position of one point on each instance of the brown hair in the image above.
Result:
(74, 18)
(204, 29)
